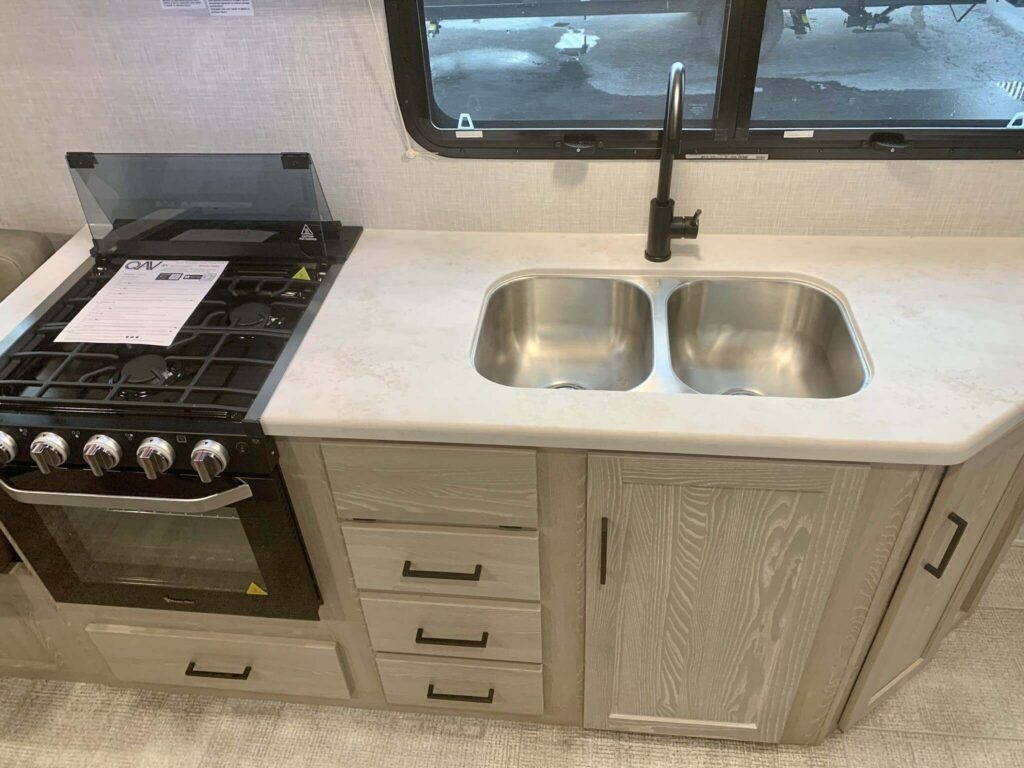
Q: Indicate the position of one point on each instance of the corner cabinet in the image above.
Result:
(972, 520)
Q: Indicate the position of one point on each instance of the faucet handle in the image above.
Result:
(686, 227)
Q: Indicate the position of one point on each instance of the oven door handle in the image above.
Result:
(215, 501)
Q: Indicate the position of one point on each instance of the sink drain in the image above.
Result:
(741, 391)
(565, 385)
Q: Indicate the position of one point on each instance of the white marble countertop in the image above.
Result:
(389, 355)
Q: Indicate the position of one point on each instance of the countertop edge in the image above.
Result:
(837, 450)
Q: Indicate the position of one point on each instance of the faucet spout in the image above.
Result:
(663, 225)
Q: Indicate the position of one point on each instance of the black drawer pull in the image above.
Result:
(423, 640)
(191, 671)
(961, 526)
(432, 694)
(409, 573)
(604, 549)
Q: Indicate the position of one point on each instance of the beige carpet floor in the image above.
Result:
(965, 711)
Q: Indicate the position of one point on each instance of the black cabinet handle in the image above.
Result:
(432, 694)
(409, 573)
(424, 640)
(604, 549)
(961, 526)
(191, 671)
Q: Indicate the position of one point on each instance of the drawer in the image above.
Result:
(243, 663)
(481, 686)
(446, 485)
(444, 561)
(477, 629)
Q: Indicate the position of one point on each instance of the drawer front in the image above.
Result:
(471, 685)
(435, 484)
(477, 629)
(229, 662)
(444, 561)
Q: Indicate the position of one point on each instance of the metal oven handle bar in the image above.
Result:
(215, 501)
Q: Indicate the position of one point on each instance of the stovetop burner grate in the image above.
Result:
(215, 367)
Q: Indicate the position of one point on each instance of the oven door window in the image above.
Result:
(231, 546)
(184, 551)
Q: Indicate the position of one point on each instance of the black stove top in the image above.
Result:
(214, 369)
(194, 405)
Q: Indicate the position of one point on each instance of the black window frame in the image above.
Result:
(731, 137)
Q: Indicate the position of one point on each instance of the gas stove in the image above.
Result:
(138, 475)
(201, 387)
(193, 405)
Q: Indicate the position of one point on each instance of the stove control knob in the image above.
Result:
(8, 448)
(101, 453)
(155, 456)
(48, 451)
(209, 459)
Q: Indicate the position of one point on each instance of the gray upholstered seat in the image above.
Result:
(21, 252)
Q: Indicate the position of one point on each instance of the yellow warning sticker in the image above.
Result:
(255, 589)
(302, 274)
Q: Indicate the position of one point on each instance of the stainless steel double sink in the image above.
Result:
(709, 335)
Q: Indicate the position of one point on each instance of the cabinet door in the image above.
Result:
(24, 643)
(706, 581)
(927, 600)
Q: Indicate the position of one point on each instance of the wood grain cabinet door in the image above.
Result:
(970, 521)
(706, 582)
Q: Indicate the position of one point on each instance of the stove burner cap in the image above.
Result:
(146, 369)
(254, 314)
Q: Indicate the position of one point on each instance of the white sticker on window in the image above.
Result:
(798, 134)
(1017, 121)
(728, 156)
(230, 7)
(182, 5)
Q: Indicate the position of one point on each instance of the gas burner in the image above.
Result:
(254, 314)
(147, 369)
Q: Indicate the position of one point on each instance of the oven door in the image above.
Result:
(173, 543)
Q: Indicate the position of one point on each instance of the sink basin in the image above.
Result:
(775, 337)
(753, 336)
(566, 333)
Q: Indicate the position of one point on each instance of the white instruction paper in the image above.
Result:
(230, 7)
(145, 302)
(182, 5)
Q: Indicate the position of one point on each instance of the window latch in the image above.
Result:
(579, 145)
(888, 142)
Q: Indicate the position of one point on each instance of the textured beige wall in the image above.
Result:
(122, 75)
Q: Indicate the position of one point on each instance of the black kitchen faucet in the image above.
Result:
(663, 225)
